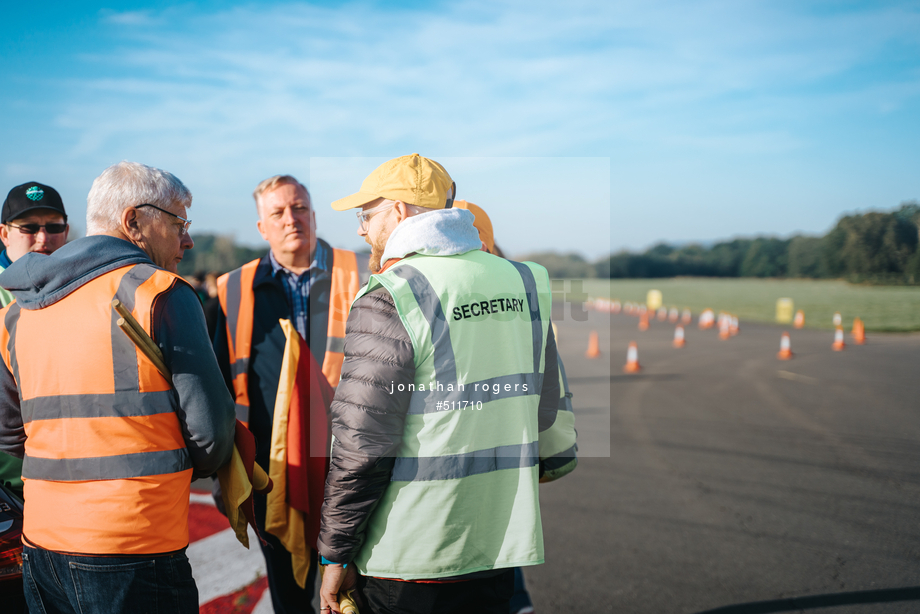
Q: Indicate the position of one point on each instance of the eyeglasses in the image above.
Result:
(186, 223)
(365, 216)
(31, 229)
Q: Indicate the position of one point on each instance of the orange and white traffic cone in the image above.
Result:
(838, 319)
(859, 331)
(799, 320)
(725, 327)
(733, 327)
(643, 321)
(594, 349)
(673, 315)
(706, 319)
(632, 359)
(679, 340)
(685, 317)
(785, 347)
(662, 314)
(839, 344)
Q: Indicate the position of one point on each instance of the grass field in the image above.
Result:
(882, 308)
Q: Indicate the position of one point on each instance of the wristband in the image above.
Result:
(324, 561)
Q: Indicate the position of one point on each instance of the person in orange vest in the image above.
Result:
(301, 279)
(109, 444)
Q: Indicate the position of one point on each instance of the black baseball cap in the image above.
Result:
(28, 197)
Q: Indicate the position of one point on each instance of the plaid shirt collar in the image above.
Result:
(315, 271)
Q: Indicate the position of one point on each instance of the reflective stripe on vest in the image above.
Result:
(106, 469)
(234, 291)
(237, 299)
(463, 492)
(345, 286)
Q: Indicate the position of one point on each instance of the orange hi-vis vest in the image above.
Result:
(106, 469)
(237, 299)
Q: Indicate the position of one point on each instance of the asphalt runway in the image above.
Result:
(721, 477)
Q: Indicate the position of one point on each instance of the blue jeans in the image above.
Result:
(56, 583)
(521, 598)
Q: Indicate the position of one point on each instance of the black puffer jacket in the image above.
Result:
(368, 420)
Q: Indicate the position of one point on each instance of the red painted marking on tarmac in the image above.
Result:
(201, 487)
(242, 601)
(204, 520)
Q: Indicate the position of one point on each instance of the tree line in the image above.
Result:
(217, 254)
(876, 247)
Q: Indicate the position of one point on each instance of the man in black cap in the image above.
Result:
(33, 220)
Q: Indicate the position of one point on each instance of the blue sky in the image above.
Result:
(579, 126)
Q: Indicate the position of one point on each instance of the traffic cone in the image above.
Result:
(785, 347)
(733, 327)
(725, 328)
(859, 331)
(662, 314)
(839, 343)
(617, 307)
(594, 349)
(673, 315)
(799, 320)
(679, 340)
(706, 319)
(632, 359)
(643, 321)
(838, 320)
(686, 317)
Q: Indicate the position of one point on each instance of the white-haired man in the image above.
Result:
(450, 374)
(304, 280)
(110, 444)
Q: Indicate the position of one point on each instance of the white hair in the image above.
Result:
(129, 184)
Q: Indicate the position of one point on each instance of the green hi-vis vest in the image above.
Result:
(463, 492)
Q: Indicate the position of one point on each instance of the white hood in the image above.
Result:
(441, 232)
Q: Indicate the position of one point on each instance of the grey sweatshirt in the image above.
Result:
(205, 408)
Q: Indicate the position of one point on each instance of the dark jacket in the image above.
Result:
(268, 342)
(368, 421)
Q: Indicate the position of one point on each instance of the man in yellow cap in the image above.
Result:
(449, 376)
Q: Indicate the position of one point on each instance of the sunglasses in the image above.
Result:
(31, 229)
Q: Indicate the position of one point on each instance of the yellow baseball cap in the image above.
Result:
(481, 222)
(411, 179)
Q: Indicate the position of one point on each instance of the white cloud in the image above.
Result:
(129, 18)
(228, 97)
